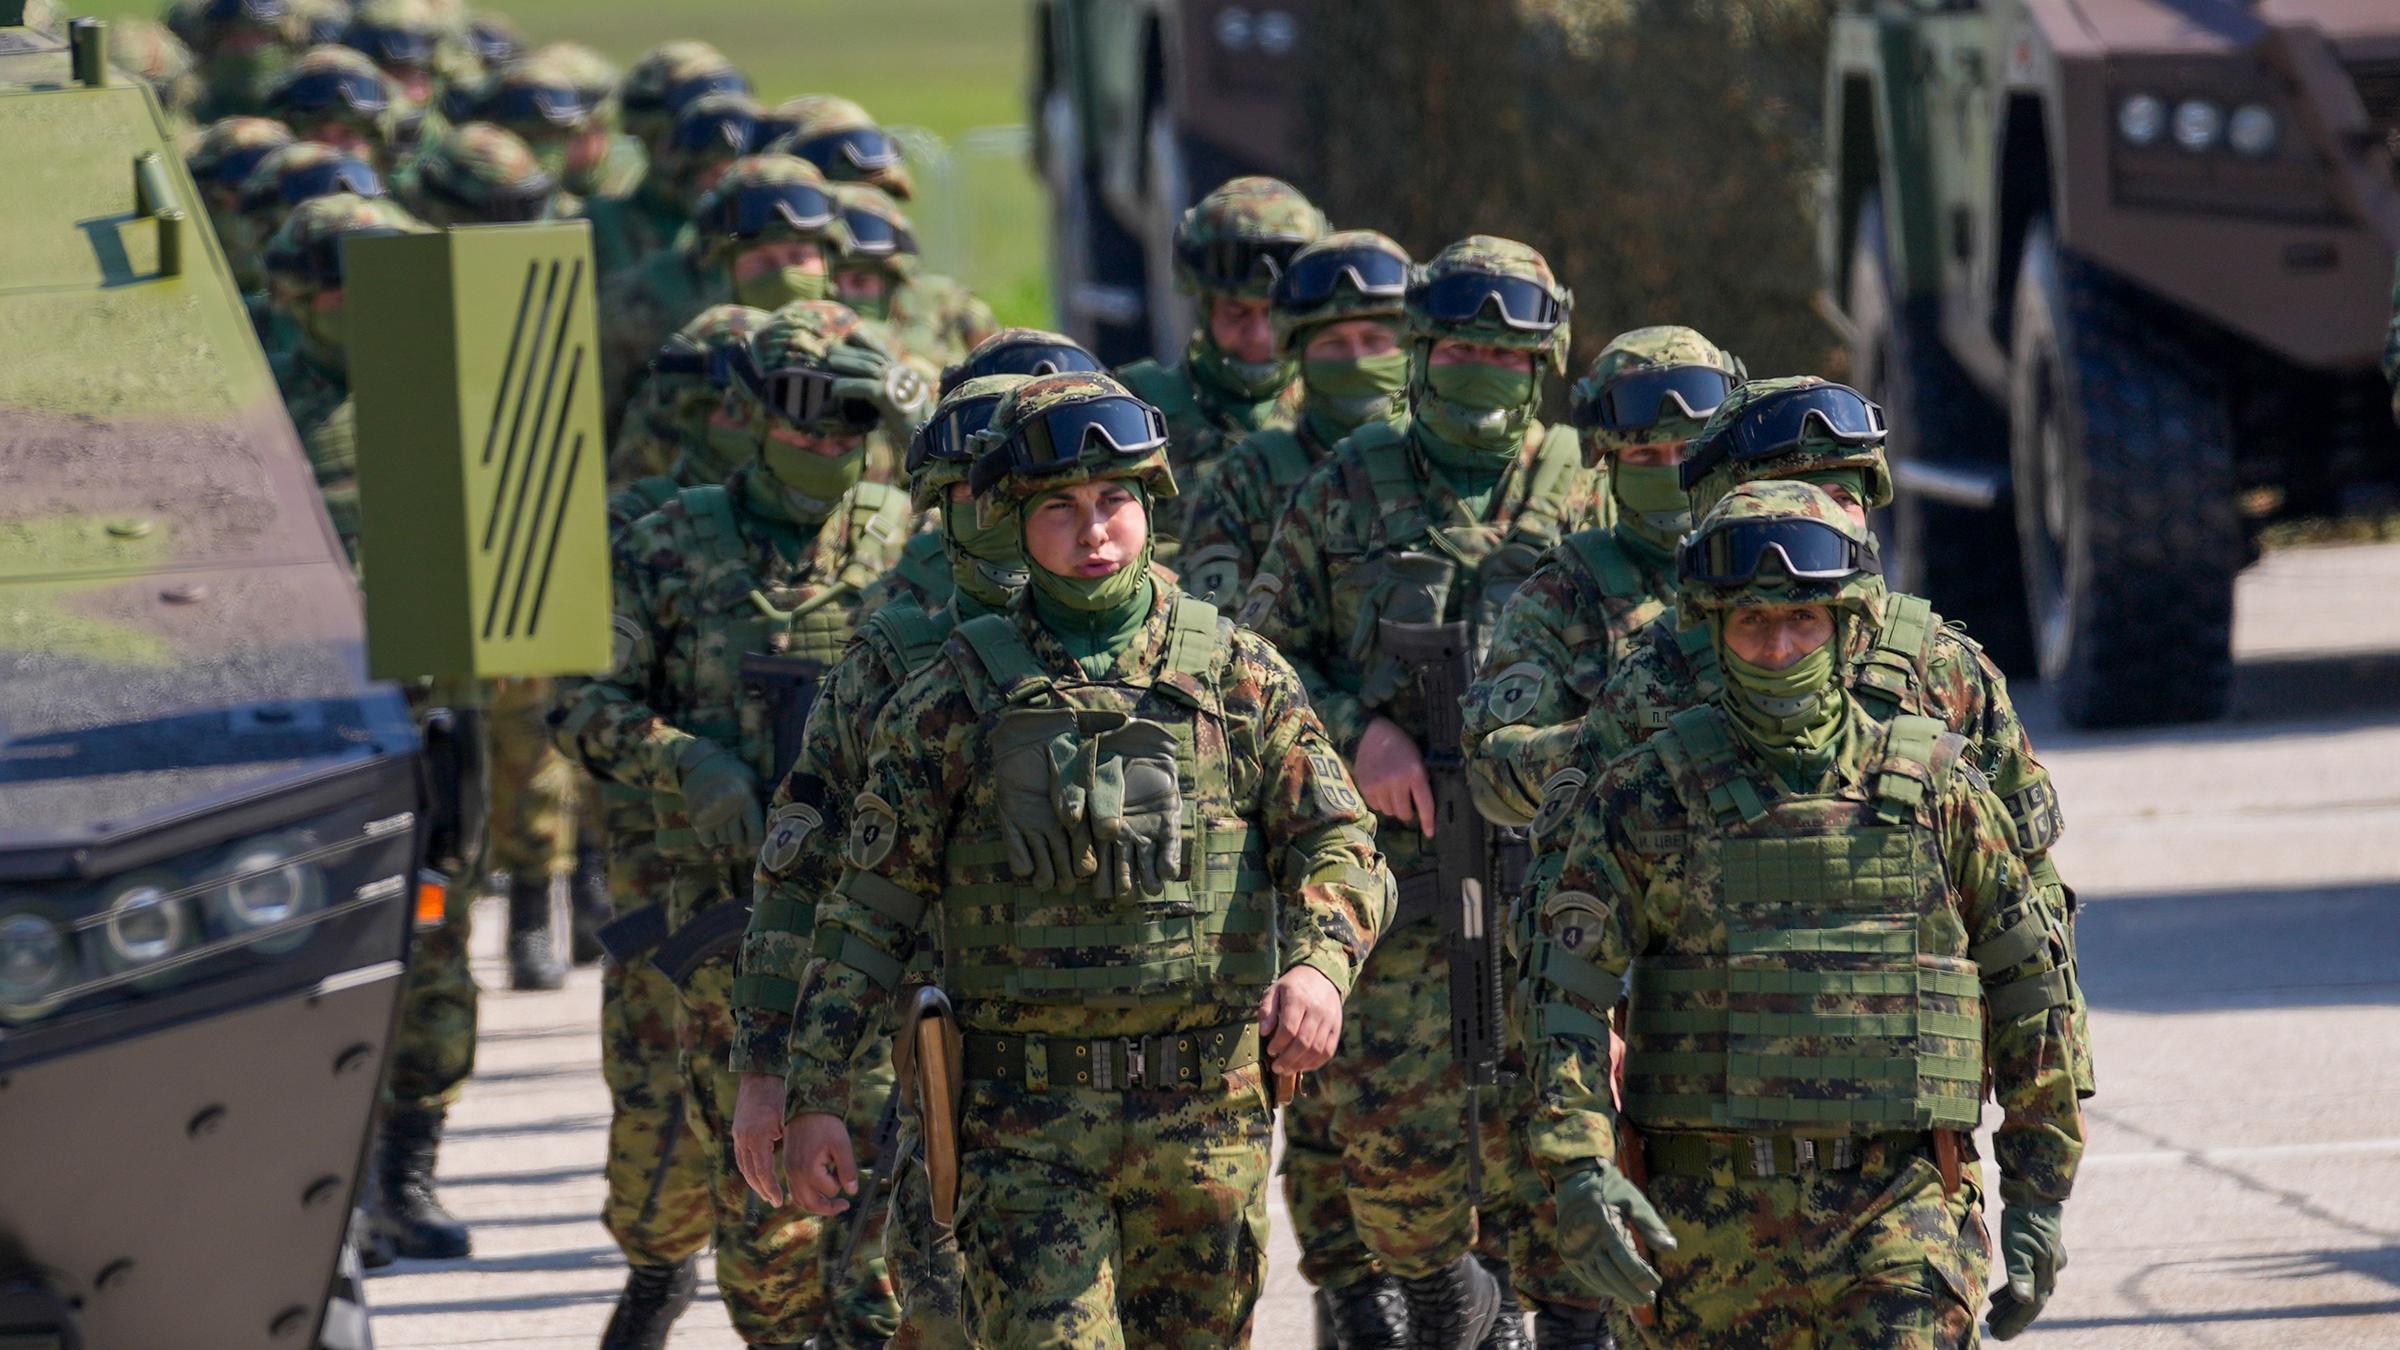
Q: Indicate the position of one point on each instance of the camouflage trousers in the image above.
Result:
(772, 1263)
(927, 1272)
(533, 787)
(433, 1047)
(1877, 1259)
(1097, 1220)
(1332, 1254)
(658, 1207)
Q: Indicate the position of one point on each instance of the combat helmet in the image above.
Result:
(844, 142)
(664, 79)
(241, 45)
(1792, 427)
(881, 248)
(1646, 379)
(404, 38)
(944, 447)
(687, 384)
(1020, 351)
(304, 260)
(1056, 431)
(1496, 291)
(336, 95)
(228, 151)
(1238, 239)
(149, 50)
(785, 375)
(541, 102)
(296, 173)
(1348, 274)
(1778, 543)
(766, 197)
(594, 77)
(478, 174)
(710, 133)
(494, 38)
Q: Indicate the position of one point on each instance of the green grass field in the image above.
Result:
(948, 66)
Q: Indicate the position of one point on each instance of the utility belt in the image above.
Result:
(1763, 1156)
(1166, 1061)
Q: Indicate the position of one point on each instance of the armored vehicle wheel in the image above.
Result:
(2122, 459)
(1961, 558)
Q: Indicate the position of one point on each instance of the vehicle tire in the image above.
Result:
(346, 1324)
(1166, 190)
(1097, 285)
(1963, 560)
(2121, 453)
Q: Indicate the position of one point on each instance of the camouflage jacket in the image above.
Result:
(921, 577)
(318, 398)
(1564, 630)
(2391, 347)
(628, 229)
(698, 584)
(638, 310)
(1623, 896)
(1229, 515)
(1202, 419)
(930, 783)
(1323, 583)
(937, 318)
(802, 856)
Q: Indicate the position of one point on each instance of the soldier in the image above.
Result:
(423, 57)
(765, 235)
(801, 858)
(1229, 248)
(540, 99)
(335, 96)
(1154, 883)
(731, 602)
(287, 176)
(1020, 351)
(666, 433)
(1903, 659)
(146, 48)
(710, 133)
(632, 226)
(1435, 521)
(883, 278)
(604, 163)
(1790, 880)
(494, 38)
(926, 577)
(477, 174)
(227, 152)
(1337, 312)
(844, 143)
(241, 45)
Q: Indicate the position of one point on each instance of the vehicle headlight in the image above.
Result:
(36, 961)
(2252, 131)
(262, 884)
(2141, 118)
(1233, 28)
(1277, 31)
(2198, 124)
(140, 926)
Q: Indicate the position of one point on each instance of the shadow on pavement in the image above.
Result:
(2193, 951)
(2163, 1318)
(2272, 696)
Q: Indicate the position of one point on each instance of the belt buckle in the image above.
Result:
(1133, 1060)
(1762, 1156)
(1804, 1155)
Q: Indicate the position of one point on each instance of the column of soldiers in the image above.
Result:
(937, 715)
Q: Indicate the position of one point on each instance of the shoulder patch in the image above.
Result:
(1333, 783)
(1264, 588)
(1516, 691)
(1560, 796)
(1573, 918)
(787, 831)
(1212, 573)
(625, 638)
(874, 829)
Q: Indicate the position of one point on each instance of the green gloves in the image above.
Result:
(720, 798)
(1593, 1208)
(2032, 1252)
(869, 375)
(1136, 810)
(1033, 754)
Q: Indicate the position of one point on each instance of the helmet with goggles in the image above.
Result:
(1493, 291)
(1796, 427)
(686, 385)
(1778, 543)
(943, 450)
(300, 172)
(478, 174)
(710, 132)
(665, 79)
(1056, 431)
(1349, 274)
(305, 254)
(1648, 378)
(880, 233)
(339, 85)
(766, 198)
(844, 142)
(1238, 239)
(1021, 351)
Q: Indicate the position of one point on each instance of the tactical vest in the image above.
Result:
(1616, 600)
(639, 498)
(924, 567)
(906, 637)
(1488, 563)
(1817, 978)
(1210, 937)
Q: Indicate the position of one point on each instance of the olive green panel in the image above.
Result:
(480, 464)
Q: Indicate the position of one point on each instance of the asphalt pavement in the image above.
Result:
(2240, 938)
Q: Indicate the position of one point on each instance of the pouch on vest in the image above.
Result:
(1040, 803)
(1410, 588)
(1134, 808)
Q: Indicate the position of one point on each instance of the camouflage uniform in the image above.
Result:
(801, 858)
(337, 97)
(628, 227)
(224, 156)
(1783, 898)
(1905, 660)
(607, 164)
(1336, 565)
(772, 561)
(424, 57)
(476, 174)
(241, 48)
(639, 308)
(2391, 347)
(934, 317)
(830, 132)
(1210, 399)
(1116, 1200)
(1235, 504)
(667, 426)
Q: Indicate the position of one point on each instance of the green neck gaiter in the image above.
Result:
(986, 561)
(1852, 481)
(1790, 716)
(877, 306)
(773, 290)
(1476, 410)
(1652, 508)
(1234, 381)
(1094, 620)
(1470, 473)
(1346, 395)
(769, 503)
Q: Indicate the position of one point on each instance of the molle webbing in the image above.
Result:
(1698, 753)
(1889, 678)
(1612, 574)
(907, 636)
(1287, 459)
(1380, 476)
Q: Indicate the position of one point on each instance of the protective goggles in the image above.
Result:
(1809, 550)
(513, 204)
(1027, 358)
(949, 438)
(866, 149)
(244, 11)
(875, 236)
(748, 212)
(1053, 440)
(804, 396)
(1780, 421)
(319, 262)
(1310, 282)
(675, 97)
(317, 180)
(1239, 262)
(517, 105)
(1639, 398)
(731, 132)
(234, 169)
(493, 44)
(1462, 297)
(341, 91)
(391, 48)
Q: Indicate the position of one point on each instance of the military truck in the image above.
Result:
(2118, 272)
(212, 821)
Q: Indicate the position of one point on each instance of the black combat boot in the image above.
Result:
(374, 1249)
(1454, 1308)
(1367, 1314)
(405, 1212)
(1563, 1326)
(653, 1298)
(1508, 1328)
(587, 902)
(530, 962)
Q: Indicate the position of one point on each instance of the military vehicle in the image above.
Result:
(212, 821)
(2118, 272)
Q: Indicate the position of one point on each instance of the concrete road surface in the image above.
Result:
(2241, 948)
